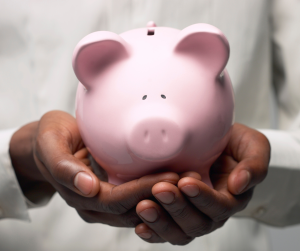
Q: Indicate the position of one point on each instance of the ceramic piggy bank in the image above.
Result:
(154, 99)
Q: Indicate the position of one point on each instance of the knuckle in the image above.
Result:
(200, 230)
(43, 137)
(204, 201)
(180, 213)
(165, 228)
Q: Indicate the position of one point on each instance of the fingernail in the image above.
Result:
(145, 235)
(149, 214)
(190, 190)
(83, 182)
(165, 197)
(243, 179)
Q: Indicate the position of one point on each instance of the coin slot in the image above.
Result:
(151, 31)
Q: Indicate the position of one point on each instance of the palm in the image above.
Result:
(221, 170)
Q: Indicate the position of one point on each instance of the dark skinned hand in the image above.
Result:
(49, 156)
(192, 209)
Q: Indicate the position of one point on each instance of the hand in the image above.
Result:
(193, 209)
(50, 155)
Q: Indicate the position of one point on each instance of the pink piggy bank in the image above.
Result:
(154, 99)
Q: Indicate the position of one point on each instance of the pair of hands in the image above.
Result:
(164, 207)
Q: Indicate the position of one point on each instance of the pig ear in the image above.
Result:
(94, 53)
(206, 44)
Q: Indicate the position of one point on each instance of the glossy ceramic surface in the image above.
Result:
(154, 99)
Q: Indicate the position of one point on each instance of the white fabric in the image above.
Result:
(36, 43)
(12, 204)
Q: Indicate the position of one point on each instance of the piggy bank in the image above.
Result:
(154, 99)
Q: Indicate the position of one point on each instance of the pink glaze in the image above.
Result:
(154, 99)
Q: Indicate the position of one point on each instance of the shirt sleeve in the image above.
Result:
(12, 202)
(276, 201)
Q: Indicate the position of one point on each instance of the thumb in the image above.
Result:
(56, 142)
(247, 174)
(67, 170)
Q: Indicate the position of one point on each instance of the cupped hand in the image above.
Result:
(50, 156)
(192, 209)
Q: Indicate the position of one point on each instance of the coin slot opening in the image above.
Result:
(151, 32)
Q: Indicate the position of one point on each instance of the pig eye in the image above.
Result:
(163, 96)
(144, 97)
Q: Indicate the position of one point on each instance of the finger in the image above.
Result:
(67, 170)
(248, 173)
(83, 156)
(118, 199)
(87, 163)
(217, 205)
(82, 153)
(57, 140)
(251, 149)
(192, 221)
(129, 194)
(190, 174)
(161, 223)
(129, 219)
(147, 234)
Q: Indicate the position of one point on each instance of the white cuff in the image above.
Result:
(285, 148)
(12, 202)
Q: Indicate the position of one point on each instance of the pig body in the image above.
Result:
(154, 99)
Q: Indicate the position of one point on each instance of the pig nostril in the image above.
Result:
(164, 135)
(163, 96)
(144, 97)
(146, 137)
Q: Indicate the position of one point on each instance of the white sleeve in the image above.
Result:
(276, 201)
(12, 201)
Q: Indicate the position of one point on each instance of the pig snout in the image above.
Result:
(156, 139)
